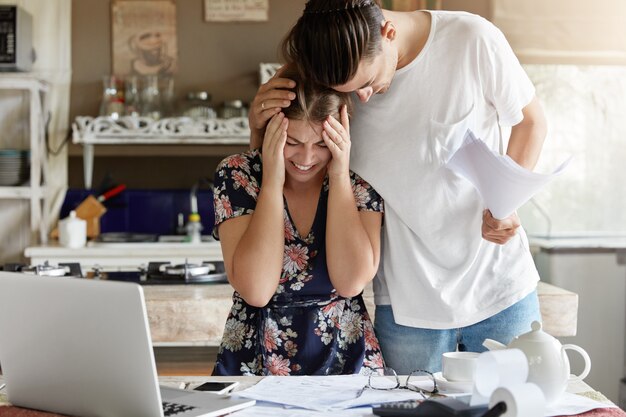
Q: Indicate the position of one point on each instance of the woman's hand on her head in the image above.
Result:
(270, 99)
(336, 136)
(273, 147)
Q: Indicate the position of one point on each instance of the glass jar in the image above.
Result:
(233, 108)
(112, 104)
(151, 97)
(131, 97)
(198, 106)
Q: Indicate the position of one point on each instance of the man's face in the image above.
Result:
(373, 76)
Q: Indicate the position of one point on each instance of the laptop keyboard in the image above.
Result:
(171, 409)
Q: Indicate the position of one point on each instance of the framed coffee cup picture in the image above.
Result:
(144, 37)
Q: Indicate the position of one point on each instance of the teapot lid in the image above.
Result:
(536, 334)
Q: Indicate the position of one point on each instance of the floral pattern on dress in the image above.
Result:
(307, 328)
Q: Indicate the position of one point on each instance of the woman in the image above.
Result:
(300, 236)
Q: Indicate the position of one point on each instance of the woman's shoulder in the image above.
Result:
(249, 161)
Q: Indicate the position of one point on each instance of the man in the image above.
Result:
(451, 275)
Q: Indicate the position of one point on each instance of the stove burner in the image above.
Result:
(63, 269)
(186, 270)
(189, 273)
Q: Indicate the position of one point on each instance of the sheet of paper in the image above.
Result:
(572, 404)
(274, 410)
(323, 393)
(503, 184)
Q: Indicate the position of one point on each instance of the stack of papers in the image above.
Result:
(326, 394)
(503, 184)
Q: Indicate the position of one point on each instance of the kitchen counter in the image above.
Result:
(125, 255)
(195, 315)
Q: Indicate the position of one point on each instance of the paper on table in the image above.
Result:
(323, 393)
(572, 404)
(503, 184)
(275, 410)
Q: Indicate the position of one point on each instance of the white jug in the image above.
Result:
(72, 231)
(548, 364)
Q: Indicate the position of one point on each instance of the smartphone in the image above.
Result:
(217, 387)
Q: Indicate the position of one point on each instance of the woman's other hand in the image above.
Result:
(336, 136)
(273, 147)
(270, 99)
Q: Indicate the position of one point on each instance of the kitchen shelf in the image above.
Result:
(22, 192)
(133, 136)
(35, 191)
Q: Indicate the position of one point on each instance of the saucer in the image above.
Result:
(453, 386)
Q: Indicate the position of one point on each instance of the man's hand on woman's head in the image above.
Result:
(499, 231)
(336, 136)
(272, 153)
(270, 99)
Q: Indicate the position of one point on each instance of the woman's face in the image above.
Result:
(306, 154)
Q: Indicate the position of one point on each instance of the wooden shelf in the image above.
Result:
(160, 150)
(21, 192)
(142, 136)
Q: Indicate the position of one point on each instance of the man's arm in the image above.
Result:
(525, 145)
(527, 137)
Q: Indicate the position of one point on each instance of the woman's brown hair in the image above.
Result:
(332, 37)
(313, 102)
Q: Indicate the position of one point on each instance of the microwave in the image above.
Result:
(16, 39)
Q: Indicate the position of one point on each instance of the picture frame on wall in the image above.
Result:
(410, 5)
(144, 37)
(236, 10)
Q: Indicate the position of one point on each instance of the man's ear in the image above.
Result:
(388, 30)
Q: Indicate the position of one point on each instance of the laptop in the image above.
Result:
(82, 347)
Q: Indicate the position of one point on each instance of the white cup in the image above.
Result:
(458, 366)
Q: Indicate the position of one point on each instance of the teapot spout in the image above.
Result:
(493, 344)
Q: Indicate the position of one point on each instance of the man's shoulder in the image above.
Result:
(465, 24)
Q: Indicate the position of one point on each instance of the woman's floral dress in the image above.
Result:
(307, 328)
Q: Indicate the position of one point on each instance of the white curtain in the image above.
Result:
(52, 43)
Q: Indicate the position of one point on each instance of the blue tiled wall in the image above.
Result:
(146, 211)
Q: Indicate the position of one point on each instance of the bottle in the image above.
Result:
(194, 229)
(72, 231)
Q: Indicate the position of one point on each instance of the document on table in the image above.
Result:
(503, 184)
(323, 393)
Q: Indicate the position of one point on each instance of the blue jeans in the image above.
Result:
(406, 349)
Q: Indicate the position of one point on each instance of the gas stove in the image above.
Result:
(155, 273)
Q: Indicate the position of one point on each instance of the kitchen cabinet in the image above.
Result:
(595, 268)
(35, 191)
(143, 136)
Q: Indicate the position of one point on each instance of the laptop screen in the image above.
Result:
(76, 346)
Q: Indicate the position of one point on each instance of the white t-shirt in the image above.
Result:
(436, 269)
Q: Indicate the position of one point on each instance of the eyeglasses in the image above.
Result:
(387, 379)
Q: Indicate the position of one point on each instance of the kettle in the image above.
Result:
(548, 364)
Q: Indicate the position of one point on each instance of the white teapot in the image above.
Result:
(548, 364)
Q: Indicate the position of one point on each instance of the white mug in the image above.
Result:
(458, 366)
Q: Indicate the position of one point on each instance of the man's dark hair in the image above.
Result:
(332, 37)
